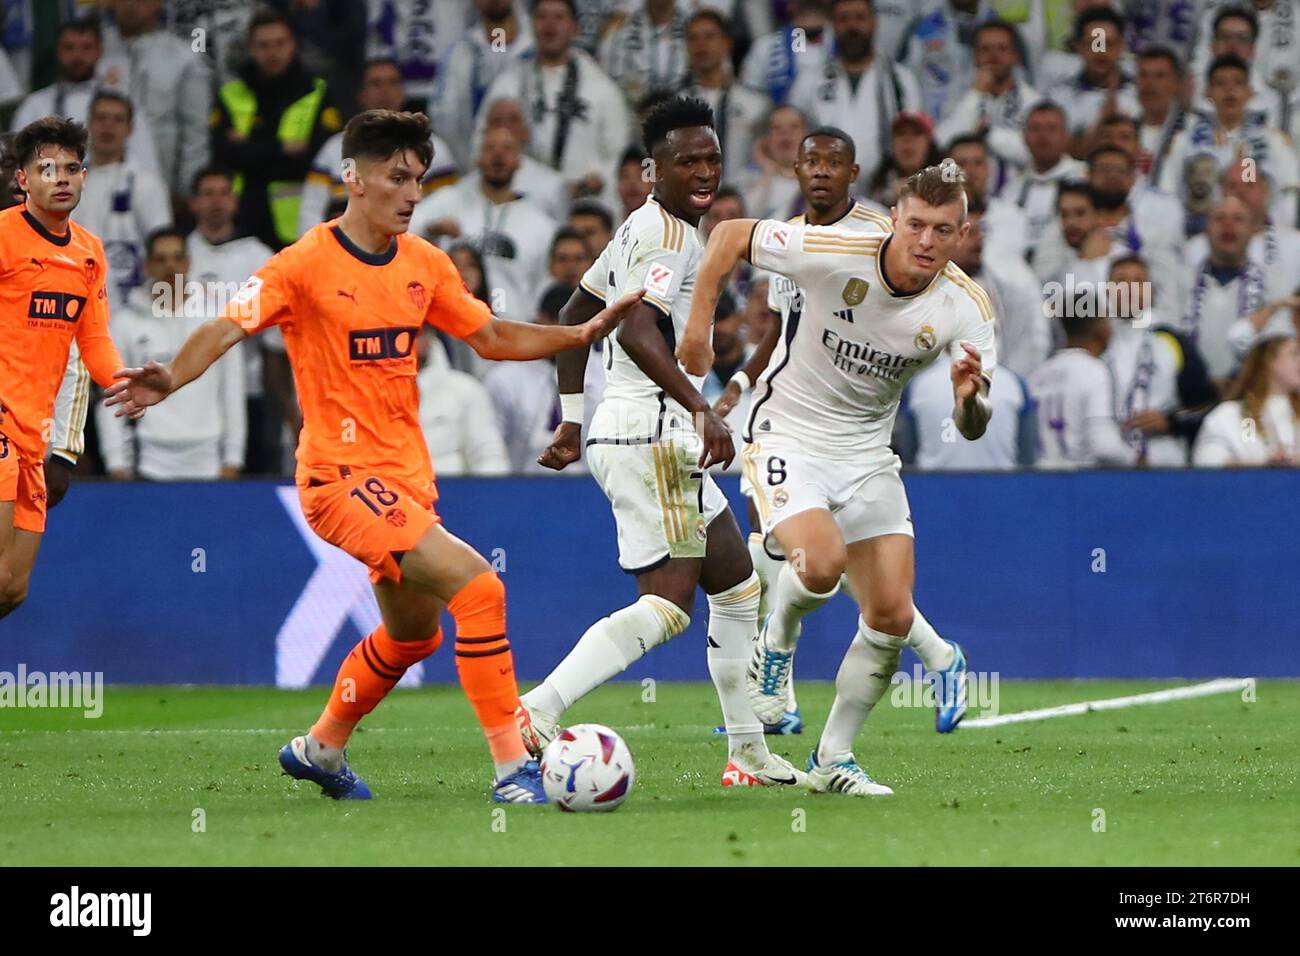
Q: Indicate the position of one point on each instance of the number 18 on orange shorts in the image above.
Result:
(374, 518)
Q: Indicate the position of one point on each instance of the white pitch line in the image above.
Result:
(1224, 685)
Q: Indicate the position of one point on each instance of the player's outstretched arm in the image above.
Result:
(149, 385)
(645, 345)
(570, 374)
(970, 389)
(728, 244)
(503, 340)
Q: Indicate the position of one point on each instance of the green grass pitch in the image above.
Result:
(1212, 781)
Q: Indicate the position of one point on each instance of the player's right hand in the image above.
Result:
(718, 447)
(695, 352)
(565, 447)
(138, 388)
(604, 321)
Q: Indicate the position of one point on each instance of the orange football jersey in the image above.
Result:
(351, 321)
(52, 290)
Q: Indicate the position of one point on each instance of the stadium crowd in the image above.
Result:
(1132, 178)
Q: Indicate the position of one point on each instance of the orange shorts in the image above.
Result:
(22, 481)
(374, 518)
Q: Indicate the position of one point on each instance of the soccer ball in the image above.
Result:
(587, 768)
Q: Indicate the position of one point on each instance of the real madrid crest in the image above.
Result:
(925, 338)
(855, 290)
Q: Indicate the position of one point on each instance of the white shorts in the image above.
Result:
(867, 499)
(663, 502)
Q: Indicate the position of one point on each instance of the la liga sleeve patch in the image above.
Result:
(658, 280)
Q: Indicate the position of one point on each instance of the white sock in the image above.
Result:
(935, 653)
(766, 567)
(504, 770)
(733, 625)
(327, 758)
(863, 679)
(789, 602)
(609, 647)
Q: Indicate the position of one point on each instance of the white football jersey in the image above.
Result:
(1077, 425)
(837, 373)
(656, 251)
(782, 291)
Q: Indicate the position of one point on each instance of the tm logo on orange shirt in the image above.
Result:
(59, 306)
(369, 345)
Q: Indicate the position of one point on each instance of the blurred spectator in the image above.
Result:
(856, 90)
(1023, 335)
(1259, 424)
(728, 203)
(646, 52)
(1274, 246)
(911, 149)
(1078, 253)
(579, 118)
(925, 436)
(512, 233)
(1004, 225)
(996, 101)
(468, 260)
(739, 112)
(594, 224)
(775, 59)
(78, 49)
(1264, 33)
(1160, 79)
(527, 403)
(535, 180)
(324, 196)
(200, 432)
(770, 182)
(166, 82)
(634, 180)
(1146, 220)
(121, 203)
(568, 262)
(417, 34)
(501, 39)
(1034, 189)
(456, 416)
(221, 261)
(1162, 388)
(1102, 87)
(1232, 136)
(939, 49)
(1077, 426)
(267, 126)
(1226, 285)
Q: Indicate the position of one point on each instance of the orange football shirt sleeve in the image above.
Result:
(98, 353)
(452, 307)
(266, 298)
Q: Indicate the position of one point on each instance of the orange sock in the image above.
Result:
(485, 664)
(368, 673)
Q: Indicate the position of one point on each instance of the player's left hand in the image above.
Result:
(58, 476)
(966, 374)
(728, 400)
(140, 388)
(604, 321)
(565, 447)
